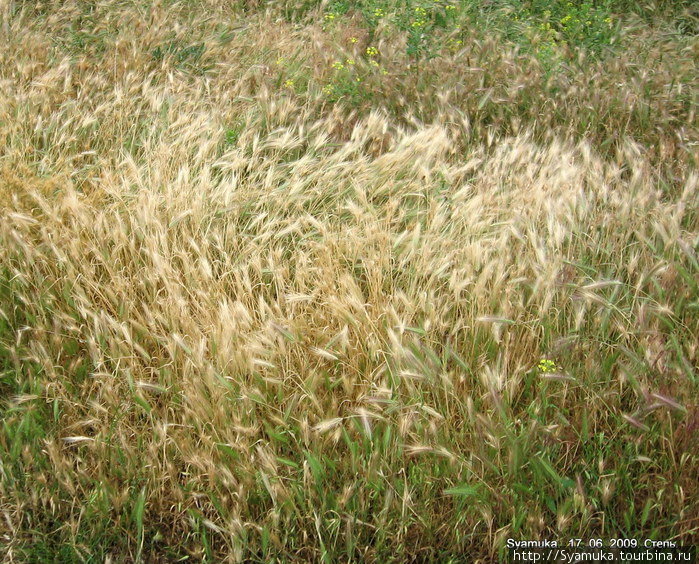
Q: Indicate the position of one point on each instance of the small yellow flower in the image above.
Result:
(337, 65)
(353, 40)
(372, 51)
(349, 62)
(289, 83)
(280, 61)
(455, 43)
(329, 17)
(379, 13)
(547, 366)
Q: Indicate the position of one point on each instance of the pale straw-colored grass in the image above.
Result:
(284, 345)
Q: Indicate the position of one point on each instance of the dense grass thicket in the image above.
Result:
(346, 281)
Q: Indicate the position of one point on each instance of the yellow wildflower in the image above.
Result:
(547, 366)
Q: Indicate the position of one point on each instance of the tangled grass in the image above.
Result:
(238, 322)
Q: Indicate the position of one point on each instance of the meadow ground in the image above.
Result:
(346, 281)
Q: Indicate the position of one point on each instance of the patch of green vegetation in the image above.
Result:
(546, 28)
(184, 57)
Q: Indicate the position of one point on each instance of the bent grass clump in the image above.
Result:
(239, 324)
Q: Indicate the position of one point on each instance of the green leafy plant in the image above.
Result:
(346, 82)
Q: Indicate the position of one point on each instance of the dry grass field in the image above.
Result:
(346, 282)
